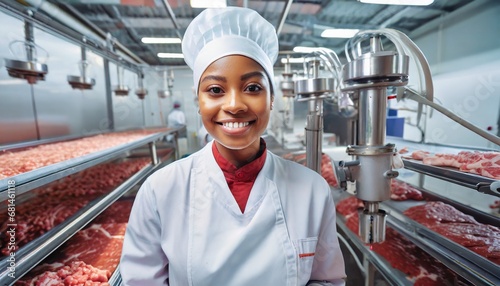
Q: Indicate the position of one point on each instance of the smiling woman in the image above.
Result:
(233, 213)
(235, 102)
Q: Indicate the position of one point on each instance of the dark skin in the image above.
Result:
(235, 102)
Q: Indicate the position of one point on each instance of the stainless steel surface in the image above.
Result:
(31, 254)
(372, 110)
(371, 183)
(382, 64)
(78, 82)
(314, 135)
(39, 177)
(31, 71)
(314, 86)
(473, 181)
(372, 222)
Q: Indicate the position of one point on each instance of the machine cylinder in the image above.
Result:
(372, 116)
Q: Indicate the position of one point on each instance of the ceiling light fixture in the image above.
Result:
(171, 55)
(147, 40)
(305, 50)
(339, 33)
(399, 2)
(208, 4)
(292, 60)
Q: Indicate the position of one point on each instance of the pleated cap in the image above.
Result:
(220, 32)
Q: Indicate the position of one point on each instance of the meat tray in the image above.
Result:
(473, 181)
(29, 255)
(32, 253)
(470, 265)
(29, 180)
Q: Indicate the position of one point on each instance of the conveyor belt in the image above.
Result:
(393, 276)
(35, 251)
(479, 183)
(466, 263)
(27, 181)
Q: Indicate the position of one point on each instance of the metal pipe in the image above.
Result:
(413, 95)
(314, 131)
(283, 16)
(172, 16)
(372, 116)
(69, 20)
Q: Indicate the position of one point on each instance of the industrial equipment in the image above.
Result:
(82, 81)
(29, 68)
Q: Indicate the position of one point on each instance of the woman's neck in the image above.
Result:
(241, 157)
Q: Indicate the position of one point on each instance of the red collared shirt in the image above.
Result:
(240, 180)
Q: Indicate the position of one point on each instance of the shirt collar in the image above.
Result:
(245, 173)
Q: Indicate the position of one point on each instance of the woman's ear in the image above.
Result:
(272, 101)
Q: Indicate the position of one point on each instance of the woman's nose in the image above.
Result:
(235, 103)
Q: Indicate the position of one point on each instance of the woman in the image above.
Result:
(233, 213)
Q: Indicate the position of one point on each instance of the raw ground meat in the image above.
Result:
(17, 162)
(78, 273)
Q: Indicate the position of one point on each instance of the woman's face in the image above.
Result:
(235, 101)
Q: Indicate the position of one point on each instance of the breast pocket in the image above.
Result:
(306, 249)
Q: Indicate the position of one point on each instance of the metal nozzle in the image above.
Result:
(372, 223)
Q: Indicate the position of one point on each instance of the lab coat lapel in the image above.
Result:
(219, 236)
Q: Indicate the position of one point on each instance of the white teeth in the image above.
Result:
(235, 124)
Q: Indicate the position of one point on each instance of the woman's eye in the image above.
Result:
(215, 90)
(254, 88)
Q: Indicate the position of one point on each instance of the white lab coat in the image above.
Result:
(176, 118)
(187, 229)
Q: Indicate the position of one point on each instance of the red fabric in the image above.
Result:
(241, 180)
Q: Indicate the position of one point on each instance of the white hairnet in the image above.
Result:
(219, 32)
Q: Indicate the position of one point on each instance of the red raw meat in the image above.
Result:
(401, 253)
(326, 166)
(459, 227)
(401, 191)
(98, 246)
(486, 164)
(420, 155)
(58, 201)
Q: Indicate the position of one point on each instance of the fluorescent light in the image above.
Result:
(170, 55)
(292, 60)
(399, 2)
(305, 50)
(147, 40)
(208, 4)
(339, 33)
